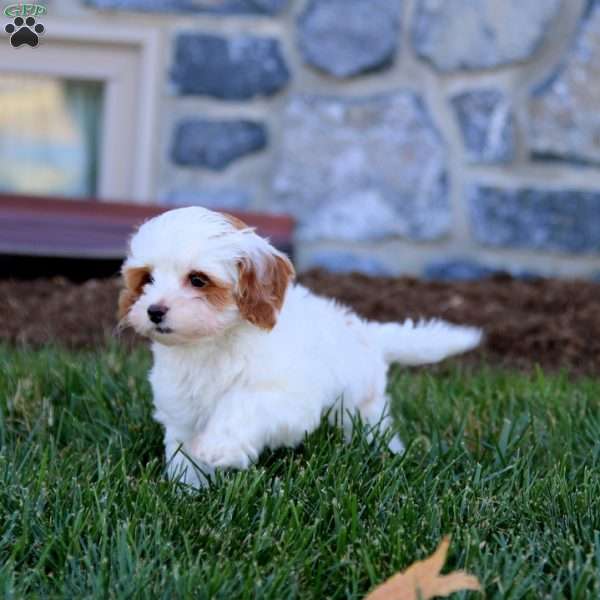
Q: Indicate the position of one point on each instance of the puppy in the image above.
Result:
(244, 359)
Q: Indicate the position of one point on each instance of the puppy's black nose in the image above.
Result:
(156, 313)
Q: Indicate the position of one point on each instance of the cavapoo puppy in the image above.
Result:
(244, 359)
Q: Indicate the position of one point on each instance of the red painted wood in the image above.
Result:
(48, 226)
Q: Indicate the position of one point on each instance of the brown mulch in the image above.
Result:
(555, 324)
(546, 322)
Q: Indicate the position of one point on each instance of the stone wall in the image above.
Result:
(441, 137)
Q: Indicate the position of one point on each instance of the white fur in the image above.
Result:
(225, 390)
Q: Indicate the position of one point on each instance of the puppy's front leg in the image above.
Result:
(244, 424)
(219, 448)
(182, 467)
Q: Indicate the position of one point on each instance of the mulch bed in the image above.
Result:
(555, 324)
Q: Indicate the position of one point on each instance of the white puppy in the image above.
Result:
(243, 359)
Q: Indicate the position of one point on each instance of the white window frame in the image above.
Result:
(128, 62)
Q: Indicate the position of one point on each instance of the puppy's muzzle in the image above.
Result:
(157, 312)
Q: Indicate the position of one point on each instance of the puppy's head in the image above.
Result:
(192, 273)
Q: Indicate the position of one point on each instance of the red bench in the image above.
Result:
(58, 227)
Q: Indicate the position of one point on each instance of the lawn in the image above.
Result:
(506, 463)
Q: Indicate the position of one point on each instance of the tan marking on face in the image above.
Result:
(134, 280)
(218, 294)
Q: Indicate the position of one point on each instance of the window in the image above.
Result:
(50, 135)
(78, 113)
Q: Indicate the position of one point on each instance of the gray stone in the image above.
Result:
(564, 115)
(215, 144)
(363, 215)
(235, 68)
(487, 124)
(480, 34)
(347, 262)
(539, 219)
(470, 270)
(225, 7)
(363, 168)
(348, 37)
(214, 198)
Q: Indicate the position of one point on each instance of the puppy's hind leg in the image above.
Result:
(375, 412)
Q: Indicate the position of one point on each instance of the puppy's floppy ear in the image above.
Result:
(262, 285)
(134, 280)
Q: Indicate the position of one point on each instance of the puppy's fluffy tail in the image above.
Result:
(426, 342)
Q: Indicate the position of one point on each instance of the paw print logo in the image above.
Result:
(24, 32)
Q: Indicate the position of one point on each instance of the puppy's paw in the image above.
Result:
(396, 446)
(223, 455)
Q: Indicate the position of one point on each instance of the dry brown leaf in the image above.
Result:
(422, 580)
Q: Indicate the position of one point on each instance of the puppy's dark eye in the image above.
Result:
(148, 279)
(198, 280)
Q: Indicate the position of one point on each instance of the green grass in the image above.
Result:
(506, 463)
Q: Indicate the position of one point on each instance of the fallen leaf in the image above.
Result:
(422, 580)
